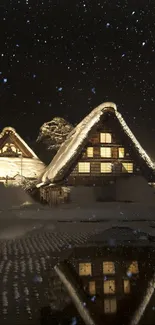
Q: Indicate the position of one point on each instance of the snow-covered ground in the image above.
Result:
(99, 211)
(34, 237)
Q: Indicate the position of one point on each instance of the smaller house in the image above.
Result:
(17, 160)
(101, 160)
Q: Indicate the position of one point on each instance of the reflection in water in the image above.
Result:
(112, 281)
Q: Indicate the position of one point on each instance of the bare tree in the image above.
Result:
(53, 133)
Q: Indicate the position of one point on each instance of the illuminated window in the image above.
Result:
(106, 167)
(105, 137)
(126, 286)
(105, 152)
(133, 268)
(84, 167)
(108, 268)
(110, 306)
(127, 167)
(90, 152)
(85, 269)
(9, 147)
(92, 288)
(109, 287)
(121, 152)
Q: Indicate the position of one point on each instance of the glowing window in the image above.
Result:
(127, 167)
(106, 167)
(84, 167)
(85, 269)
(108, 268)
(105, 137)
(133, 268)
(126, 286)
(90, 152)
(105, 152)
(92, 288)
(109, 287)
(110, 306)
(121, 152)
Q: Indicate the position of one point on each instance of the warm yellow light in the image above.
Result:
(126, 286)
(105, 137)
(108, 268)
(85, 269)
(133, 268)
(92, 288)
(109, 286)
(90, 152)
(105, 152)
(121, 152)
(84, 167)
(106, 167)
(127, 167)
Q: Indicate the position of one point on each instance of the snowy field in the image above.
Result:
(100, 211)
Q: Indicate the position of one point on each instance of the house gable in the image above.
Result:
(106, 154)
(12, 145)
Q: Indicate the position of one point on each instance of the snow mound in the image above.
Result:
(14, 197)
(134, 189)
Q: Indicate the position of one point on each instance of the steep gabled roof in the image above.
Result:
(56, 169)
(13, 132)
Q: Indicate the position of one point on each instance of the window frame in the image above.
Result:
(106, 136)
(108, 286)
(83, 171)
(133, 267)
(120, 155)
(105, 171)
(85, 264)
(127, 170)
(92, 291)
(126, 285)
(108, 301)
(90, 155)
(105, 155)
(108, 264)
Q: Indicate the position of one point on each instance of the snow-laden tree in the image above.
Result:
(53, 133)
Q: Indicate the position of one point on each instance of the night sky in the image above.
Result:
(64, 57)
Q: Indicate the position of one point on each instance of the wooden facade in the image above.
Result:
(54, 195)
(117, 156)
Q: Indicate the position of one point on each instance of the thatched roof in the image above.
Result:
(68, 151)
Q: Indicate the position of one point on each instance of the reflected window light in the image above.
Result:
(109, 287)
(92, 287)
(133, 268)
(85, 269)
(108, 268)
(110, 306)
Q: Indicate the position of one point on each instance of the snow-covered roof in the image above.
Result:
(68, 150)
(9, 128)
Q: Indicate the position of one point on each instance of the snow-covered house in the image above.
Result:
(17, 159)
(100, 155)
